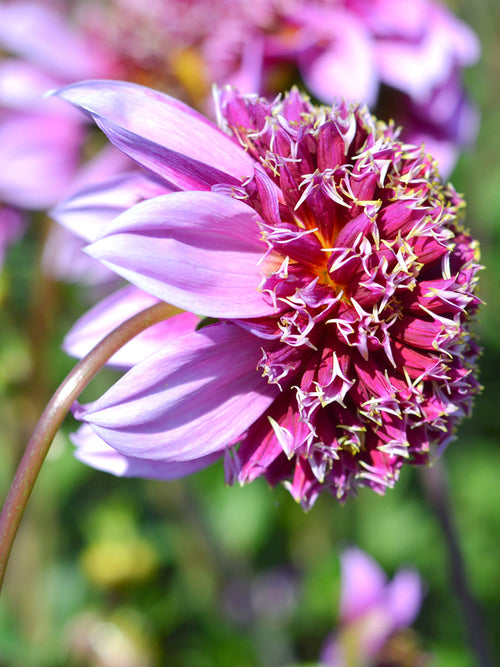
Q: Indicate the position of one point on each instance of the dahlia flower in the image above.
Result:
(372, 611)
(333, 274)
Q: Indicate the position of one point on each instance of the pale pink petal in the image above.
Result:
(417, 65)
(64, 259)
(194, 398)
(42, 153)
(90, 209)
(107, 163)
(346, 66)
(363, 582)
(113, 311)
(96, 453)
(23, 85)
(197, 250)
(404, 598)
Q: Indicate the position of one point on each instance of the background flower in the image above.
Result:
(341, 49)
(372, 611)
(338, 48)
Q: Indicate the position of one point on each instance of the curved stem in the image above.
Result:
(53, 416)
(435, 484)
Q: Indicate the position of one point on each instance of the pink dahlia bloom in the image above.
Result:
(372, 611)
(336, 276)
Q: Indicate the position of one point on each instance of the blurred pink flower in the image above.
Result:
(346, 48)
(342, 48)
(40, 139)
(372, 611)
(336, 263)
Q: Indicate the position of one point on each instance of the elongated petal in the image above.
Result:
(404, 597)
(96, 453)
(196, 250)
(87, 211)
(417, 64)
(113, 311)
(63, 259)
(193, 398)
(363, 582)
(23, 85)
(161, 133)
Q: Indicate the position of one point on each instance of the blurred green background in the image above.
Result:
(191, 573)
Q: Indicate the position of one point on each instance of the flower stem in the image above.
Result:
(435, 484)
(53, 416)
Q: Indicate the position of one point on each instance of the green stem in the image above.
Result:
(435, 484)
(53, 416)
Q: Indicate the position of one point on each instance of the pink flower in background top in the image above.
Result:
(40, 139)
(345, 48)
(341, 48)
(372, 613)
(337, 266)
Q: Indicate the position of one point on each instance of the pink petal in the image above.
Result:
(96, 453)
(63, 259)
(107, 163)
(195, 397)
(363, 582)
(45, 37)
(418, 64)
(88, 211)
(404, 598)
(113, 311)
(196, 250)
(22, 85)
(327, 74)
(161, 133)
(42, 153)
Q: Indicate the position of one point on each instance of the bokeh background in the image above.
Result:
(115, 572)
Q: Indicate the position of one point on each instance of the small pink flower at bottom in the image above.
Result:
(337, 276)
(372, 612)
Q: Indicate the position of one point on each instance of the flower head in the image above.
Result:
(343, 282)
